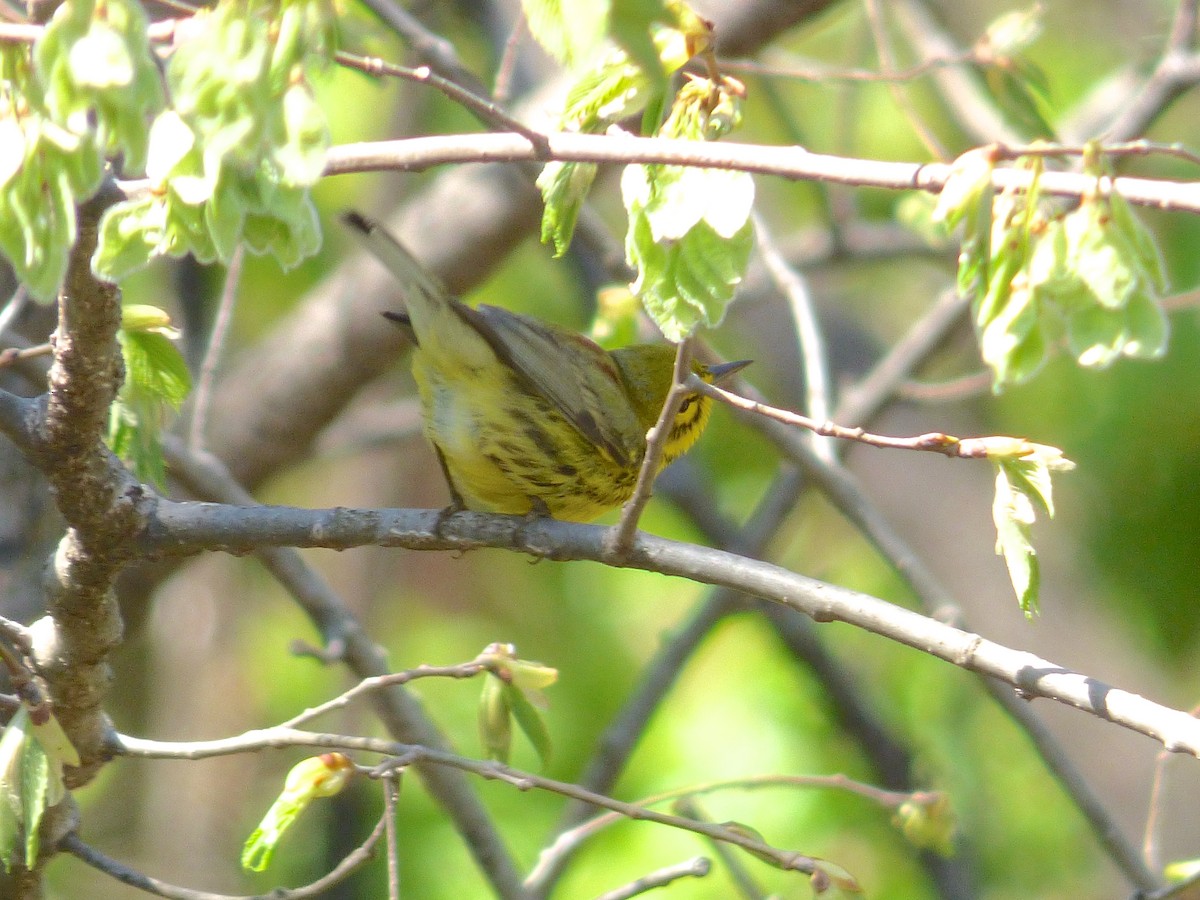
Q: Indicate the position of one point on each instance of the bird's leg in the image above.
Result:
(456, 501)
(537, 510)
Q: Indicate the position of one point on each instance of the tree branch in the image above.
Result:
(186, 528)
(102, 503)
(400, 755)
(796, 163)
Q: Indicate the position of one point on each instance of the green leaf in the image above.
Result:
(171, 140)
(156, 383)
(1013, 515)
(529, 719)
(619, 86)
(301, 157)
(495, 721)
(311, 778)
(564, 187)
(100, 59)
(967, 190)
(100, 74)
(35, 788)
(1096, 259)
(569, 30)
(1023, 486)
(12, 149)
(25, 787)
(1014, 31)
(683, 283)
(131, 233)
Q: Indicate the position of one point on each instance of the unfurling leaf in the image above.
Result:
(1023, 487)
(513, 690)
(311, 778)
(830, 881)
(690, 233)
(928, 823)
(31, 768)
(156, 384)
(495, 721)
(234, 158)
(618, 87)
(1089, 279)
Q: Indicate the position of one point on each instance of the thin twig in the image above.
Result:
(435, 50)
(162, 31)
(391, 796)
(933, 442)
(972, 106)
(420, 153)
(785, 65)
(696, 867)
(738, 873)
(952, 390)
(357, 857)
(887, 59)
(379, 682)
(621, 537)
(1177, 70)
(814, 360)
(12, 355)
(212, 356)
(502, 84)
(1141, 147)
(487, 111)
(406, 754)
(1150, 834)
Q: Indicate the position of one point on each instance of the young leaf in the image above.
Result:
(690, 234)
(620, 86)
(100, 74)
(245, 134)
(316, 776)
(29, 784)
(156, 383)
(495, 721)
(530, 721)
(569, 30)
(1023, 487)
(928, 824)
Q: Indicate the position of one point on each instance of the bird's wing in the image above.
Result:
(573, 373)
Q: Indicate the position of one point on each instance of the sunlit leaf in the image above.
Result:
(1023, 486)
(570, 30)
(311, 778)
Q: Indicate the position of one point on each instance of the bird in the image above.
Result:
(528, 417)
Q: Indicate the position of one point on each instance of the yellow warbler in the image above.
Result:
(527, 416)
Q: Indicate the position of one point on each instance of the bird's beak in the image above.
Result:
(725, 371)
